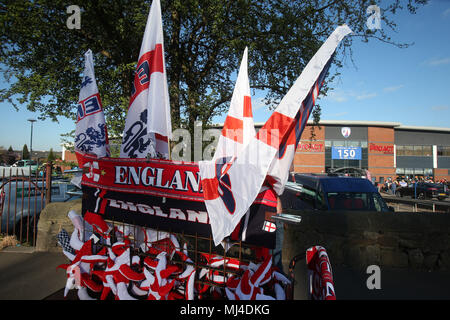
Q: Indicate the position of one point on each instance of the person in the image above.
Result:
(394, 186)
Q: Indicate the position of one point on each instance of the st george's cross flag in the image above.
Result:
(148, 125)
(278, 173)
(238, 128)
(91, 135)
(230, 188)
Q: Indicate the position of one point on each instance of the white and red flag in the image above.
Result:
(278, 173)
(230, 188)
(148, 125)
(238, 128)
(91, 135)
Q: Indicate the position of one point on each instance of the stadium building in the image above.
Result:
(385, 149)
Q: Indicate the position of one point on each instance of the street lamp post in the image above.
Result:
(31, 138)
(31, 144)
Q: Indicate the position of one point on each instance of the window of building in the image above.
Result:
(418, 150)
(409, 151)
(414, 171)
(443, 151)
(426, 151)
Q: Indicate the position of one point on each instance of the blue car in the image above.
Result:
(331, 192)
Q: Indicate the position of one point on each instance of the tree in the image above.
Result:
(51, 156)
(204, 41)
(25, 152)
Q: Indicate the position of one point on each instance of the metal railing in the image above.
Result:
(23, 195)
(416, 205)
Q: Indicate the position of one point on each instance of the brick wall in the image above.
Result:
(380, 146)
(310, 154)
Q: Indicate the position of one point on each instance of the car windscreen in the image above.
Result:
(358, 201)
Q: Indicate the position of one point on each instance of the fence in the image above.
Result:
(23, 195)
(413, 205)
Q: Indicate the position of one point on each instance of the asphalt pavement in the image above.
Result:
(29, 275)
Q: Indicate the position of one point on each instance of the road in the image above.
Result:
(28, 275)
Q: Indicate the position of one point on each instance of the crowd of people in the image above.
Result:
(391, 185)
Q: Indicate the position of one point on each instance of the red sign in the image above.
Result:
(310, 147)
(383, 149)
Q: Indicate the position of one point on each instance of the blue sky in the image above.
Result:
(385, 83)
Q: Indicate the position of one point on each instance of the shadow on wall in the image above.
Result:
(417, 241)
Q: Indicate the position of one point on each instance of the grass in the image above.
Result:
(7, 241)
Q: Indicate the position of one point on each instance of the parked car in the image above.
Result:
(26, 163)
(423, 190)
(21, 202)
(331, 192)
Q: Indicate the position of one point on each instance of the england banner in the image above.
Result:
(91, 135)
(163, 195)
(238, 128)
(148, 125)
(278, 173)
(230, 188)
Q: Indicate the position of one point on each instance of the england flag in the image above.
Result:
(238, 128)
(148, 125)
(278, 173)
(230, 188)
(91, 135)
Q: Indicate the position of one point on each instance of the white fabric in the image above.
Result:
(154, 98)
(90, 133)
(247, 177)
(227, 147)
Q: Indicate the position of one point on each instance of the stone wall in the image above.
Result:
(52, 219)
(418, 241)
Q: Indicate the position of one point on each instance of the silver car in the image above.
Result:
(22, 201)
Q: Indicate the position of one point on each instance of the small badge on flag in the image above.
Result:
(269, 226)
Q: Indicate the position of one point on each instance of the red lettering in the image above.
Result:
(383, 149)
(311, 147)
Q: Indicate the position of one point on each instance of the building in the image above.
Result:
(385, 149)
